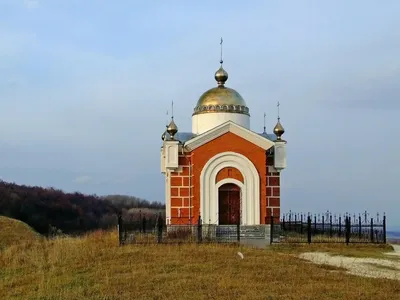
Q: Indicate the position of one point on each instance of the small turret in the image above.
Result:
(280, 146)
(170, 148)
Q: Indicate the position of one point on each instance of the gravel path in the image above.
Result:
(367, 267)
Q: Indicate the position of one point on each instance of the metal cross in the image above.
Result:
(278, 110)
(221, 61)
(264, 123)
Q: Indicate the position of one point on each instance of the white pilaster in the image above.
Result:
(280, 155)
(167, 196)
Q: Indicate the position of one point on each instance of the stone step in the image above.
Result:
(251, 232)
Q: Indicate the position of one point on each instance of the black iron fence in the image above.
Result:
(154, 230)
(288, 228)
(143, 232)
(328, 228)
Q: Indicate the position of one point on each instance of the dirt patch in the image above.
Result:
(367, 267)
(396, 252)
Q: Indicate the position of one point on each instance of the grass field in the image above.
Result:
(95, 267)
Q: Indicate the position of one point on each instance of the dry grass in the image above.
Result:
(14, 232)
(94, 267)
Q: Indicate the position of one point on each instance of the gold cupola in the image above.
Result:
(172, 129)
(221, 98)
(164, 135)
(219, 105)
(221, 76)
(279, 130)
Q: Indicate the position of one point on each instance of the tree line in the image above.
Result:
(71, 213)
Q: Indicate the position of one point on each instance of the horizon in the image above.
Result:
(85, 89)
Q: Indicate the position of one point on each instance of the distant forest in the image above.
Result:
(72, 213)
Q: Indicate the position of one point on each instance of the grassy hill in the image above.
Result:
(14, 232)
(94, 267)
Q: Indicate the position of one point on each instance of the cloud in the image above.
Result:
(83, 179)
(380, 92)
(31, 4)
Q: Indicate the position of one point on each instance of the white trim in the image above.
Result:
(229, 180)
(250, 188)
(229, 126)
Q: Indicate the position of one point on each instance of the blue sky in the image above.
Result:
(84, 87)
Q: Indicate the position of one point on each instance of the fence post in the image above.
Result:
(315, 223)
(238, 230)
(199, 230)
(271, 232)
(323, 225)
(120, 230)
(384, 229)
(301, 221)
(309, 229)
(160, 226)
(372, 230)
(359, 227)
(144, 224)
(348, 227)
(340, 226)
(330, 226)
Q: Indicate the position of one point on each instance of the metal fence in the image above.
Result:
(288, 228)
(328, 228)
(154, 230)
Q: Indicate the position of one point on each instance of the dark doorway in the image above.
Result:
(229, 204)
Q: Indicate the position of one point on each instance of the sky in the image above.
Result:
(85, 86)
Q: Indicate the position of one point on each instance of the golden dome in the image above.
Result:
(221, 76)
(279, 130)
(164, 135)
(172, 129)
(221, 98)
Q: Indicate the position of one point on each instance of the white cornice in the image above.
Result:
(226, 127)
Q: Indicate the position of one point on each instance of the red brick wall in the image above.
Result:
(181, 204)
(229, 172)
(273, 193)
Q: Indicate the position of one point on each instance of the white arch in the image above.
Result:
(229, 180)
(250, 188)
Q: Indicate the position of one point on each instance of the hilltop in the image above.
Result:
(14, 231)
(72, 213)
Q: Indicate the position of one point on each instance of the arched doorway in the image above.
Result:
(229, 204)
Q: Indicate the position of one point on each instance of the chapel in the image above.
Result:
(222, 171)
